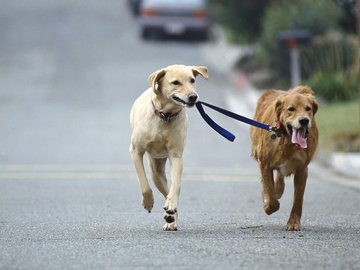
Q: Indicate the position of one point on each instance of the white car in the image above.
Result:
(174, 17)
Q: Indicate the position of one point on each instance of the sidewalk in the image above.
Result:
(345, 164)
(224, 56)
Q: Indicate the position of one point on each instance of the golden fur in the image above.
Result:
(294, 110)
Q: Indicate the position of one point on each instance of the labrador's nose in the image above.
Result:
(193, 98)
(304, 122)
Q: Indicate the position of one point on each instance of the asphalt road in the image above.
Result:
(69, 199)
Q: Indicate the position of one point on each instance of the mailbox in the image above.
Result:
(294, 38)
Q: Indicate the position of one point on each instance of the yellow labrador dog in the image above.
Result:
(159, 126)
(293, 112)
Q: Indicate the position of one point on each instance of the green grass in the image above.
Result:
(338, 124)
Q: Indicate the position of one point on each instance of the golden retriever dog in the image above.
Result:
(159, 125)
(293, 113)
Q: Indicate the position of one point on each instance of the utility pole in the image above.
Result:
(295, 66)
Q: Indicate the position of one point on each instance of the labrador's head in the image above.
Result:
(295, 110)
(177, 83)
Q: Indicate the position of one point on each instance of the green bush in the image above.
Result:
(334, 86)
(316, 16)
(332, 52)
(330, 64)
(241, 19)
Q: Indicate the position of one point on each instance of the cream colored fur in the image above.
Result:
(172, 89)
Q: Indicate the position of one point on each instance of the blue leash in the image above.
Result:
(225, 133)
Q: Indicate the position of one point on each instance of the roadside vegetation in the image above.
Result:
(330, 62)
(339, 126)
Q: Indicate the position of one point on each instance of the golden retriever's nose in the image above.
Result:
(304, 122)
(192, 98)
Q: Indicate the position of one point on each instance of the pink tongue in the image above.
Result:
(298, 137)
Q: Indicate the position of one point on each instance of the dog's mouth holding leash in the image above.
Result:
(299, 136)
(190, 103)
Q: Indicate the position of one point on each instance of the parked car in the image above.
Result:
(174, 17)
(135, 6)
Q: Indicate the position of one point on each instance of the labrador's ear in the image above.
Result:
(279, 106)
(155, 77)
(203, 71)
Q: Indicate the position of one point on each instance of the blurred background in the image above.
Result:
(329, 59)
(70, 71)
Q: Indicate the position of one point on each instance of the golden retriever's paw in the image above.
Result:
(271, 206)
(170, 226)
(293, 224)
(148, 201)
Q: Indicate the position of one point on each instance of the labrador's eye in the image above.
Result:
(176, 83)
(291, 109)
(192, 80)
(308, 108)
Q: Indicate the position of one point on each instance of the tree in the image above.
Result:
(241, 19)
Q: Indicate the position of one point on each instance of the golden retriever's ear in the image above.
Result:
(314, 103)
(155, 77)
(279, 106)
(309, 93)
(203, 71)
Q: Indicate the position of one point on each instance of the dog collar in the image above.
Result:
(166, 117)
(279, 132)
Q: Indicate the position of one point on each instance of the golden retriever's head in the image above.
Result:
(177, 83)
(295, 110)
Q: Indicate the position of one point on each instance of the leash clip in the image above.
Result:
(276, 133)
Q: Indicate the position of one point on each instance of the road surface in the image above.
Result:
(69, 199)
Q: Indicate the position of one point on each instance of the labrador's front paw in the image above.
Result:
(170, 226)
(170, 206)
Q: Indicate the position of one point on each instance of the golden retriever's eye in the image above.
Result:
(176, 83)
(308, 108)
(192, 80)
(291, 109)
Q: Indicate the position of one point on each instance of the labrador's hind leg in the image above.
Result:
(157, 168)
